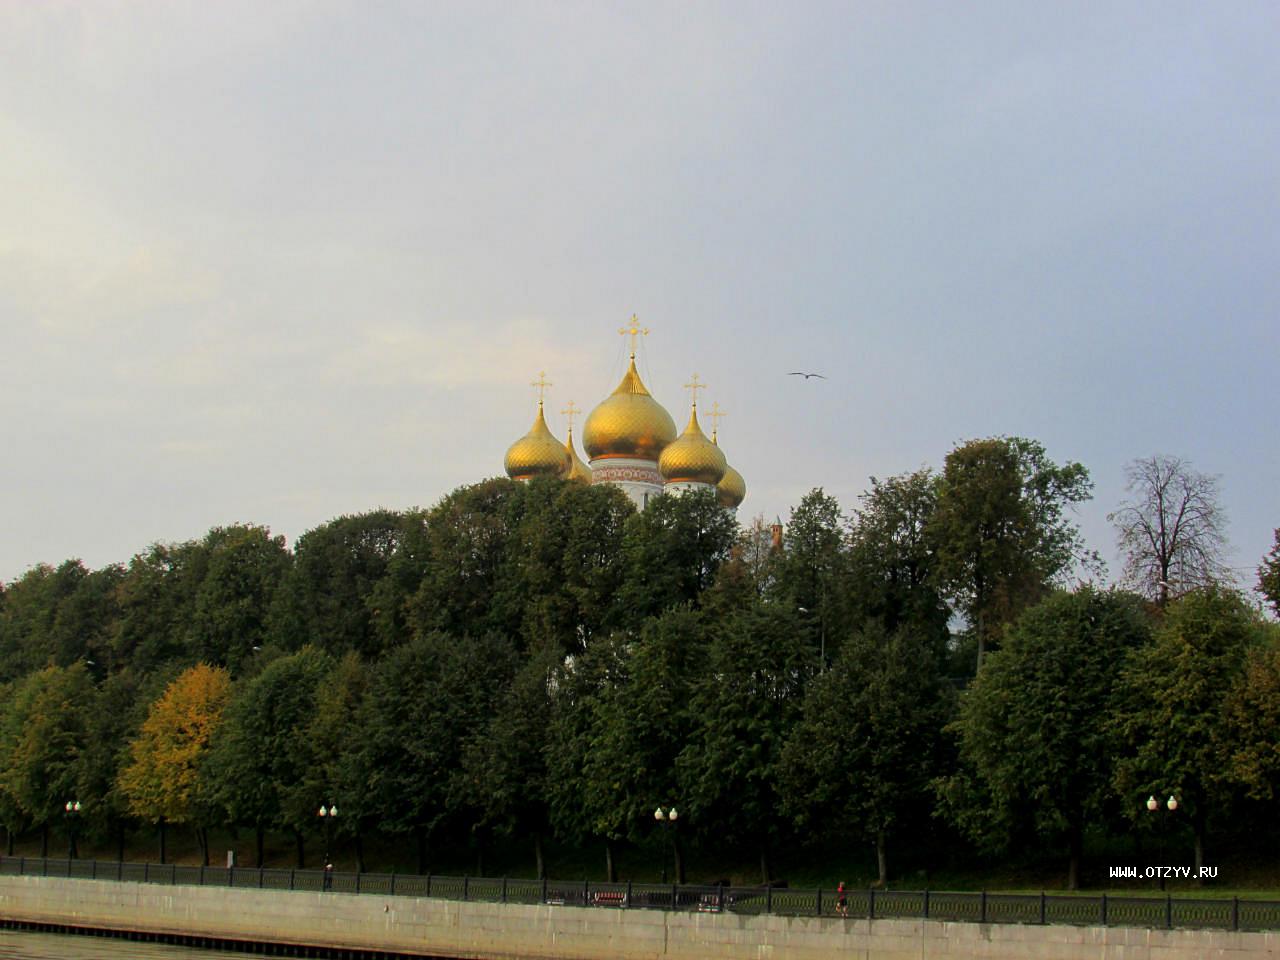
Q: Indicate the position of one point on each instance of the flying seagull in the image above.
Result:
(797, 373)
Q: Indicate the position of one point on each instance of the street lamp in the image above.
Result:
(327, 816)
(670, 817)
(73, 812)
(1153, 805)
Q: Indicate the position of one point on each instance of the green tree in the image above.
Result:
(506, 763)
(614, 761)
(744, 702)
(1171, 718)
(337, 594)
(163, 781)
(1269, 575)
(41, 745)
(425, 700)
(259, 760)
(229, 620)
(156, 599)
(1001, 532)
(1032, 727)
(813, 563)
(673, 550)
(49, 617)
(1252, 740)
(860, 760)
(892, 560)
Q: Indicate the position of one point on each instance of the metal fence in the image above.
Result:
(1102, 910)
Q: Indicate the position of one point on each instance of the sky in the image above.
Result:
(275, 263)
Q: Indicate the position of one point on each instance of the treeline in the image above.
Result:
(539, 660)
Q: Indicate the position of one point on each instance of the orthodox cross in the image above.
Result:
(635, 330)
(541, 383)
(693, 387)
(571, 411)
(716, 415)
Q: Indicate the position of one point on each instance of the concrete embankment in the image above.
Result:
(491, 931)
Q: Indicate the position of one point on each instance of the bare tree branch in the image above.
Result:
(1172, 531)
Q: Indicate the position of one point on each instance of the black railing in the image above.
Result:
(1043, 908)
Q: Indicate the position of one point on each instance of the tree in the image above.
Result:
(1000, 530)
(42, 742)
(1172, 531)
(164, 782)
(1269, 575)
(1172, 725)
(892, 559)
(743, 704)
(1252, 740)
(672, 551)
(860, 760)
(260, 758)
(1034, 743)
(245, 567)
(630, 718)
(813, 563)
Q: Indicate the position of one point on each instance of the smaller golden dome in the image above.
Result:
(537, 453)
(579, 472)
(732, 489)
(691, 457)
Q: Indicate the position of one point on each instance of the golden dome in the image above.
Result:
(732, 489)
(579, 472)
(628, 423)
(692, 457)
(537, 453)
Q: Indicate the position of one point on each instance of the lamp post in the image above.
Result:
(1153, 806)
(73, 813)
(327, 816)
(669, 817)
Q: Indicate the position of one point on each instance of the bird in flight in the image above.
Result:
(797, 373)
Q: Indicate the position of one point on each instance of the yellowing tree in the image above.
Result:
(162, 781)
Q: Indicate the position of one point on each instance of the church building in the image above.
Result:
(631, 442)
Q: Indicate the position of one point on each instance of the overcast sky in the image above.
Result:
(277, 262)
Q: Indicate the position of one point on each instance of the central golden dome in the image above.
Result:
(537, 453)
(628, 423)
(692, 457)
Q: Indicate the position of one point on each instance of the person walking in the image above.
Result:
(842, 900)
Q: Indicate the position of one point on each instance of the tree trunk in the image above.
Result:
(1075, 844)
(479, 835)
(538, 856)
(44, 841)
(163, 837)
(766, 874)
(679, 856)
(420, 836)
(1197, 825)
(982, 638)
(301, 849)
(202, 840)
(260, 842)
(120, 841)
(8, 841)
(882, 861)
(359, 852)
(610, 868)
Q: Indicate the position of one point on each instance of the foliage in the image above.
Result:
(1173, 531)
(1269, 575)
(812, 564)
(858, 763)
(1252, 738)
(1033, 742)
(1171, 718)
(743, 702)
(1001, 532)
(42, 741)
(163, 780)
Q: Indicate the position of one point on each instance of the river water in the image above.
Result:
(27, 945)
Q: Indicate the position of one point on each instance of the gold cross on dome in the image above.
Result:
(716, 415)
(635, 330)
(541, 383)
(571, 411)
(693, 386)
